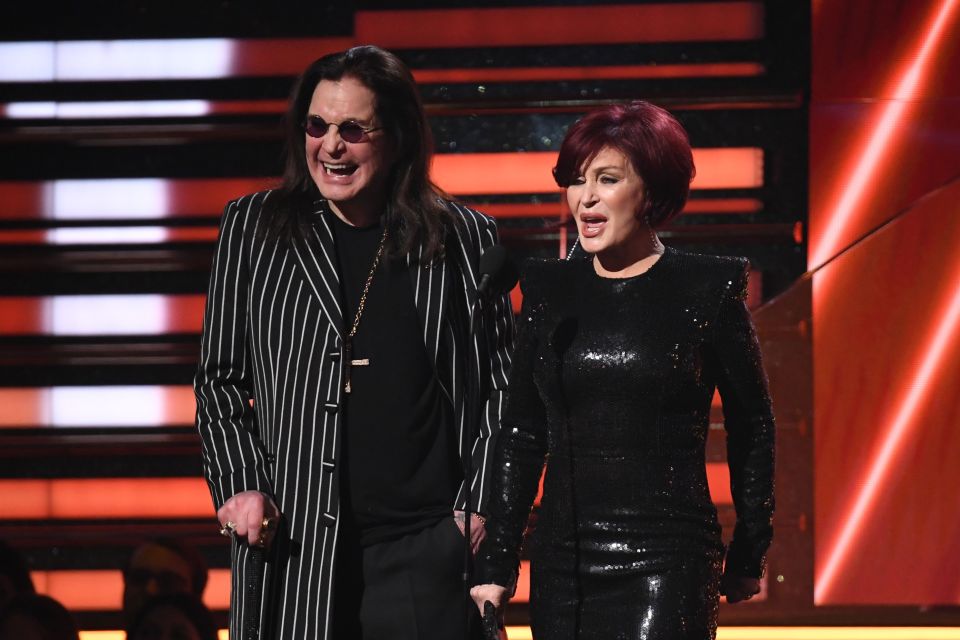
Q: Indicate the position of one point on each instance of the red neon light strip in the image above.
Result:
(880, 139)
(37, 315)
(452, 28)
(113, 498)
(507, 173)
(463, 173)
(917, 389)
(623, 72)
(102, 590)
(106, 498)
(65, 407)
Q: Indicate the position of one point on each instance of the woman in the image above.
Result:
(612, 380)
(341, 398)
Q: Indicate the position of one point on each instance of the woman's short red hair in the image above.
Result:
(652, 140)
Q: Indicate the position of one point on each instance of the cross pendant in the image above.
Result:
(352, 362)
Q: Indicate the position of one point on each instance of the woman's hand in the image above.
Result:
(738, 588)
(251, 515)
(478, 529)
(488, 593)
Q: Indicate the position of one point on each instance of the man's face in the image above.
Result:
(153, 570)
(352, 176)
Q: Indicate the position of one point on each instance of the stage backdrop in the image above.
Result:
(884, 229)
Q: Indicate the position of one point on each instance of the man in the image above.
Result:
(161, 566)
(335, 393)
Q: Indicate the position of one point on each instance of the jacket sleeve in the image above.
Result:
(749, 424)
(233, 459)
(520, 453)
(497, 329)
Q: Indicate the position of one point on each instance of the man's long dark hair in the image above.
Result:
(413, 210)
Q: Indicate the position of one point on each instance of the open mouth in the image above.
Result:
(339, 169)
(592, 223)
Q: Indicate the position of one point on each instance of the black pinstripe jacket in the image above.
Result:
(269, 391)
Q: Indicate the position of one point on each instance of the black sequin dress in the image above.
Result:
(611, 384)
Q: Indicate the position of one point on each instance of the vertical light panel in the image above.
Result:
(884, 146)
(879, 139)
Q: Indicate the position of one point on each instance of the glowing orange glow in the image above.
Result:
(465, 173)
(31, 499)
(718, 479)
(102, 590)
(878, 142)
(690, 21)
(728, 205)
(934, 352)
(531, 172)
(612, 72)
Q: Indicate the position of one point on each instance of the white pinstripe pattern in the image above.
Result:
(273, 335)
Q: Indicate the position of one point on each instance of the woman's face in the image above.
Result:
(352, 176)
(604, 200)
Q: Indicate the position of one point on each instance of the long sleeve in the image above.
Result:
(490, 359)
(520, 454)
(233, 459)
(749, 423)
(499, 327)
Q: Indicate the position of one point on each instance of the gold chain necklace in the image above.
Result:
(348, 343)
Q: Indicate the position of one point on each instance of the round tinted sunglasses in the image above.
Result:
(350, 130)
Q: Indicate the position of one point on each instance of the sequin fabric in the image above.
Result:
(611, 386)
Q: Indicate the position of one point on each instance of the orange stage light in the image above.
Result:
(612, 72)
(115, 314)
(603, 24)
(460, 174)
(729, 205)
(102, 590)
(106, 498)
(105, 406)
(531, 172)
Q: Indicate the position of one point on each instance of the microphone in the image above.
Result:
(498, 273)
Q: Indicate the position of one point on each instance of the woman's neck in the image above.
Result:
(630, 258)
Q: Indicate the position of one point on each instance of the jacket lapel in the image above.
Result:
(431, 288)
(315, 253)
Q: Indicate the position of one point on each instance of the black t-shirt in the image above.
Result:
(400, 468)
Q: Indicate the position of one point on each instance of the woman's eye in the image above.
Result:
(579, 180)
(608, 180)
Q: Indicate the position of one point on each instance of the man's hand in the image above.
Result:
(478, 529)
(251, 515)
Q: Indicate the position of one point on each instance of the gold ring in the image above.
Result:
(228, 529)
(268, 524)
